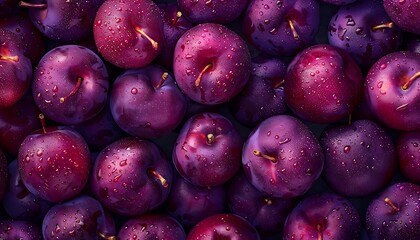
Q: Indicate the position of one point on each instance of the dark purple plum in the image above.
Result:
(404, 13)
(190, 204)
(392, 90)
(323, 84)
(129, 34)
(408, 150)
(16, 122)
(282, 157)
(175, 24)
(80, 218)
(281, 27)
(223, 226)
(10, 229)
(3, 174)
(365, 31)
(214, 11)
(211, 63)
(19, 203)
(131, 177)
(263, 95)
(15, 71)
(32, 40)
(208, 149)
(54, 163)
(63, 20)
(339, 2)
(146, 102)
(267, 214)
(361, 149)
(394, 214)
(70, 84)
(323, 216)
(152, 226)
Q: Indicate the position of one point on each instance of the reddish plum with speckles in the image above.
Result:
(404, 13)
(131, 177)
(408, 149)
(323, 84)
(282, 157)
(361, 149)
(208, 149)
(281, 28)
(211, 63)
(392, 89)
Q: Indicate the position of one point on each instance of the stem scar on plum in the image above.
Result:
(198, 80)
(389, 202)
(32, 5)
(144, 34)
(408, 82)
(75, 89)
(210, 138)
(263, 155)
(159, 177)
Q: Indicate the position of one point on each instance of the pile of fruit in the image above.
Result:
(210, 119)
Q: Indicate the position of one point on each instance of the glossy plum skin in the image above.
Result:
(263, 95)
(64, 21)
(323, 216)
(282, 157)
(54, 165)
(404, 13)
(3, 174)
(190, 204)
(211, 63)
(129, 34)
(392, 90)
(16, 69)
(208, 149)
(323, 84)
(385, 222)
(10, 229)
(267, 25)
(152, 226)
(16, 122)
(223, 226)
(58, 74)
(18, 202)
(408, 149)
(361, 149)
(215, 11)
(339, 2)
(79, 218)
(267, 214)
(353, 29)
(138, 179)
(146, 102)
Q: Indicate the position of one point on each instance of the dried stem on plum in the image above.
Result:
(42, 119)
(198, 80)
(10, 58)
(292, 27)
(382, 26)
(408, 83)
(153, 42)
(75, 89)
(159, 177)
(388, 201)
(162, 80)
(32, 5)
(319, 230)
(268, 157)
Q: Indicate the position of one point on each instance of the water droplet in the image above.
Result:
(347, 149)
(134, 91)
(380, 83)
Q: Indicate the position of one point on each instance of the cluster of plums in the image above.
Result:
(210, 119)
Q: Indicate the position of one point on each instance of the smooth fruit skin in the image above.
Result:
(402, 223)
(11, 229)
(360, 158)
(117, 36)
(323, 216)
(404, 13)
(339, 2)
(323, 84)
(124, 177)
(223, 226)
(54, 165)
(152, 226)
(392, 96)
(408, 149)
(296, 157)
(211, 63)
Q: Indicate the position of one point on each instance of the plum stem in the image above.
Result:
(159, 177)
(162, 80)
(268, 201)
(177, 17)
(32, 5)
(210, 138)
(319, 230)
(388, 201)
(382, 26)
(198, 80)
(408, 83)
(10, 58)
(42, 119)
(279, 84)
(75, 89)
(103, 236)
(292, 27)
(153, 42)
(260, 154)
(350, 119)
